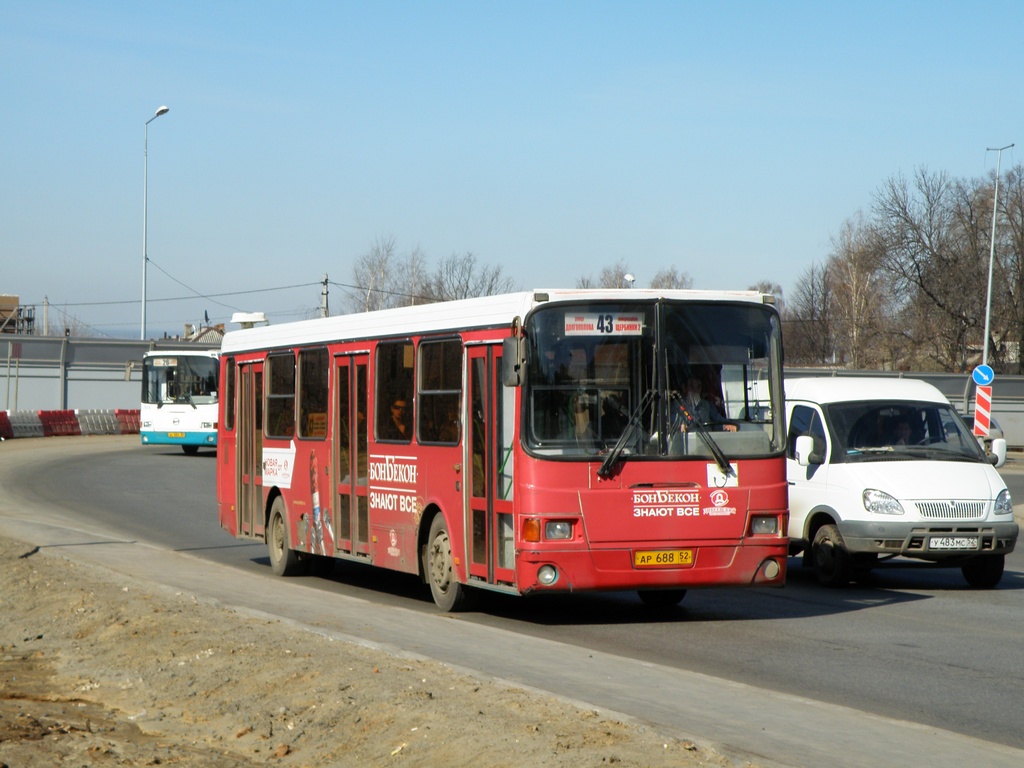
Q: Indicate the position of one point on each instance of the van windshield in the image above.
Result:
(873, 431)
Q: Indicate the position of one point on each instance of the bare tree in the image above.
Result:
(371, 276)
(610, 277)
(806, 321)
(461, 277)
(933, 239)
(767, 286)
(382, 278)
(859, 293)
(670, 277)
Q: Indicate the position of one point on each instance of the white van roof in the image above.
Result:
(838, 389)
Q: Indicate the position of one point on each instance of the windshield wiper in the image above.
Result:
(605, 470)
(703, 433)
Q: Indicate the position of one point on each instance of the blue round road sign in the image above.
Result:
(983, 375)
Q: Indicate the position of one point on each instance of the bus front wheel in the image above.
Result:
(284, 561)
(445, 588)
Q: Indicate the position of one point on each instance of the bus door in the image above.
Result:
(351, 487)
(249, 467)
(488, 453)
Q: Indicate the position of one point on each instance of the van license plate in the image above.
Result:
(663, 558)
(953, 542)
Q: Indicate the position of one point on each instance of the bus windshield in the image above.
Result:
(653, 380)
(179, 379)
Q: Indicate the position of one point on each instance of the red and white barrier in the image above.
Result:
(120, 421)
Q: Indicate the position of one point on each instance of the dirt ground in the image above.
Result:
(98, 670)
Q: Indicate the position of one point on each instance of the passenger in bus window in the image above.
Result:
(448, 431)
(614, 417)
(700, 409)
(397, 426)
(555, 414)
(565, 365)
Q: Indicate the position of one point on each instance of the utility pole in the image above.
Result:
(324, 312)
(992, 252)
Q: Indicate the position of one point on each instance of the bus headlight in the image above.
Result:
(881, 503)
(764, 525)
(558, 529)
(547, 575)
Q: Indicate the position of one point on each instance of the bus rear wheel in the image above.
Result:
(284, 561)
(449, 595)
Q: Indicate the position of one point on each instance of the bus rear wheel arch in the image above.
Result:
(439, 569)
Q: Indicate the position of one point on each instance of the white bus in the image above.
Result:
(179, 398)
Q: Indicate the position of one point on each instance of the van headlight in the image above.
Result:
(881, 503)
(1004, 504)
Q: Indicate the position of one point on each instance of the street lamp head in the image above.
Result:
(162, 111)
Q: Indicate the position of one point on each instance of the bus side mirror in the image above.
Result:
(513, 361)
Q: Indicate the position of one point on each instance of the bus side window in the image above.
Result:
(394, 405)
(313, 367)
(229, 389)
(440, 389)
(280, 419)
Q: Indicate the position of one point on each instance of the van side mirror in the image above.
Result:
(998, 457)
(513, 361)
(804, 452)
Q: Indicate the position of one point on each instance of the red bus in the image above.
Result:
(545, 441)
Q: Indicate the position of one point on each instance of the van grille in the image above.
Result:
(951, 510)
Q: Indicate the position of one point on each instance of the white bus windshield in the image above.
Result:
(179, 379)
(659, 380)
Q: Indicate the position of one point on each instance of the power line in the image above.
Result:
(178, 298)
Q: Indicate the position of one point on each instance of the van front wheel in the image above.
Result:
(832, 564)
(985, 571)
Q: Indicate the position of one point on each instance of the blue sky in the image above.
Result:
(730, 140)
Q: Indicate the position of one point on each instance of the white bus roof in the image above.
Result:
(182, 352)
(838, 389)
(483, 312)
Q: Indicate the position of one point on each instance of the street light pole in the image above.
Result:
(992, 252)
(145, 188)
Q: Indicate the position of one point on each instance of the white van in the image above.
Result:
(882, 468)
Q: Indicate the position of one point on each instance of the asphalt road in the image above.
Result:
(912, 667)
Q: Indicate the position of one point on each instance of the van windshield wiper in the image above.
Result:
(605, 470)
